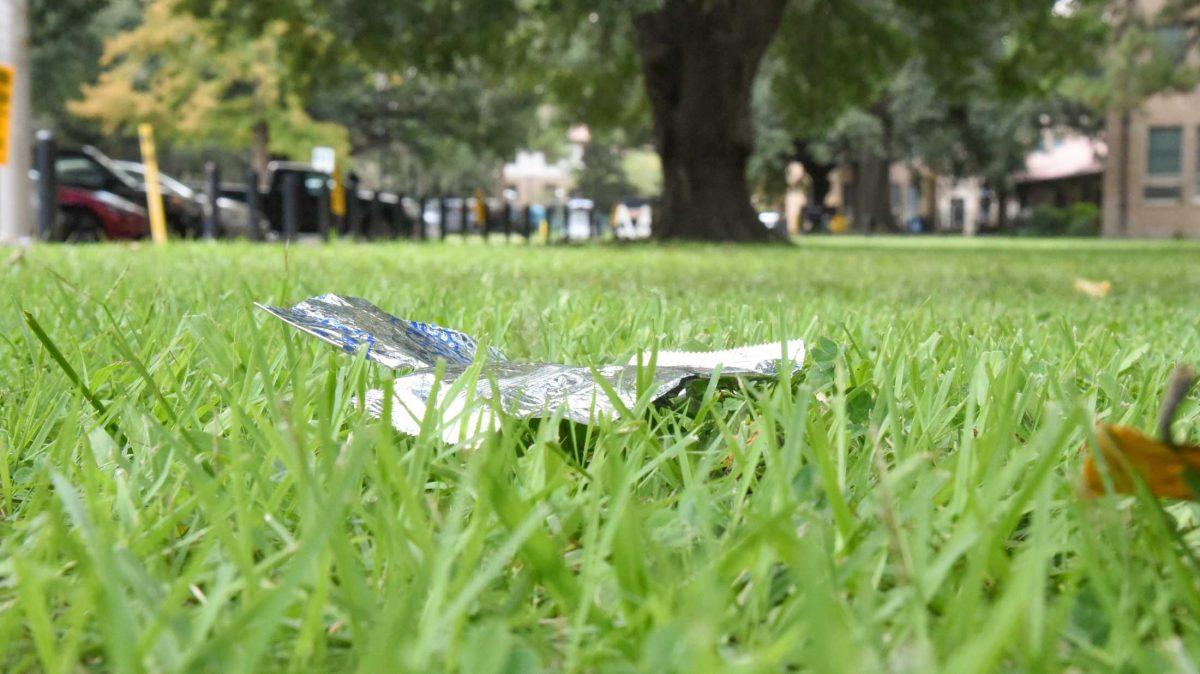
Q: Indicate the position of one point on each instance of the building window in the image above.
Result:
(1172, 42)
(1162, 192)
(1165, 157)
(1164, 164)
(912, 203)
(958, 213)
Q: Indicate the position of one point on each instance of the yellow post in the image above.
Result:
(7, 77)
(839, 224)
(154, 202)
(481, 210)
(337, 197)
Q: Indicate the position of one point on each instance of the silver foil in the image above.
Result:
(459, 407)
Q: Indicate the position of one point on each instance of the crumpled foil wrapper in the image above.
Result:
(459, 408)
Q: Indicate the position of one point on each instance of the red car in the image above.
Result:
(96, 215)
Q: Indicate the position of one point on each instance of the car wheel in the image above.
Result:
(78, 226)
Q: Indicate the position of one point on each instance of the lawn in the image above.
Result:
(908, 502)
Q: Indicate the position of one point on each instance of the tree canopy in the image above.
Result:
(436, 88)
(688, 67)
(66, 44)
(170, 70)
(430, 132)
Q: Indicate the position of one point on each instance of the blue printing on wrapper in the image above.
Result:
(338, 320)
(452, 345)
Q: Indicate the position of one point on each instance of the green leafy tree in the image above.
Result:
(959, 99)
(171, 71)
(429, 131)
(603, 178)
(696, 62)
(67, 41)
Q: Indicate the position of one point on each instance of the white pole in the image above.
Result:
(16, 189)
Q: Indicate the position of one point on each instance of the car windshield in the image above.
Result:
(168, 183)
(80, 172)
(121, 174)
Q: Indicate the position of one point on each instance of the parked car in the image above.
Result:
(378, 214)
(97, 215)
(236, 219)
(88, 168)
(233, 192)
(312, 183)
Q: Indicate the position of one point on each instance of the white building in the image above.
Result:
(537, 180)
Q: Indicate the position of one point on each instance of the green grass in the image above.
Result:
(908, 503)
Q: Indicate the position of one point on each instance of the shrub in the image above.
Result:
(1078, 219)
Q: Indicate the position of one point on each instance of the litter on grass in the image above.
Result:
(1094, 289)
(461, 410)
(1167, 469)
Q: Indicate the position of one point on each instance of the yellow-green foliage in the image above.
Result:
(174, 72)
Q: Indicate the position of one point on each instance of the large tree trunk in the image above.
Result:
(1002, 203)
(699, 59)
(873, 192)
(819, 173)
(822, 182)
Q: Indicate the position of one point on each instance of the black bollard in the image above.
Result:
(508, 220)
(403, 219)
(45, 159)
(527, 222)
(212, 223)
(378, 217)
(464, 217)
(354, 216)
(387, 214)
(291, 205)
(253, 204)
(485, 215)
(422, 228)
(324, 214)
(443, 217)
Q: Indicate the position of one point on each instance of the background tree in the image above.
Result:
(829, 80)
(603, 177)
(171, 70)
(952, 88)
(67, 41)
(428, 132)
(696, 61)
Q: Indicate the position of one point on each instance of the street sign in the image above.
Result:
(7, 76)
(154, 202)
(324, 159)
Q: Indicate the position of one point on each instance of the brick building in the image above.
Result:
(1162, 162)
